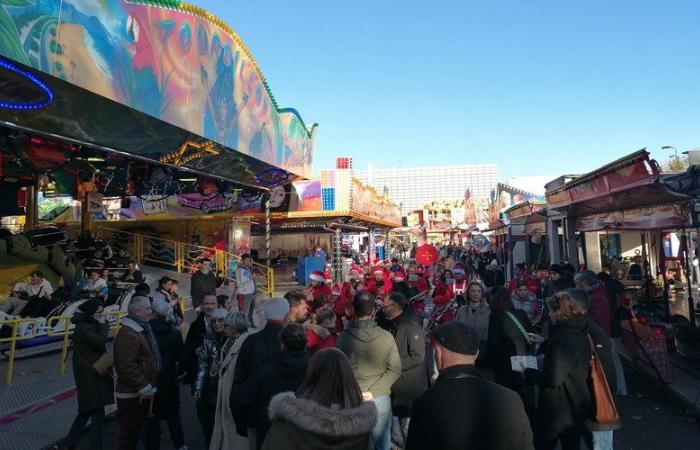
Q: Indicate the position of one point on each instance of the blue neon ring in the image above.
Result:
(35, 80)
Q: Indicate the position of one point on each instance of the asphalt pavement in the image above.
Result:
(650, 421)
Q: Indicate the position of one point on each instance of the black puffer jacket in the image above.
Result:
(169, 339)
(300, 424)
(285, 374)
(565, 399)
(413, 381)
(207, 379)
(89, 341)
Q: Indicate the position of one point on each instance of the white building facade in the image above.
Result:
(413, 187)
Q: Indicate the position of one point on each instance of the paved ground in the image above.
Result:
(650, 422)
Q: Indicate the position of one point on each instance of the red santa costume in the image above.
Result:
(380, 275)
(318, 285)
(459, 288)
(416, 280)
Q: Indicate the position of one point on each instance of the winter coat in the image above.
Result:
(505, 340)
(194, 340)
(319, 337)
(562, 284)
(603, 347)
(493, 278)
(136, 368)
(207, 379)
(464, 411)
(615, 291)
(285, 374)
(202, 285)
(565, 400)
(373, 355)
(89, 340)
(599, 309)
(224, 435)
(476, 316)
(300, 424)
(413, 381)
(169, 339)
(259, 350)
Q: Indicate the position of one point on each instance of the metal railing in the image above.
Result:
(51, 328)
(181, 257)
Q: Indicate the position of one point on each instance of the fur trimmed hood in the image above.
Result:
(310, 416)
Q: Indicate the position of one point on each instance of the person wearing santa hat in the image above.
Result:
(415, 279)
(443, 283)
(380, 284)
(317, 286)
(459, 288)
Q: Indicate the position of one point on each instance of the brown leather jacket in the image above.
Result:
(133, 362)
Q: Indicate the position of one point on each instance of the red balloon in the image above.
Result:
(427, 255)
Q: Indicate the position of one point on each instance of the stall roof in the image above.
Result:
(632, 181)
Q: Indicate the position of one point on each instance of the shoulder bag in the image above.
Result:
(603, 402)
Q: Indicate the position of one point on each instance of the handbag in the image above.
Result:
(603, 402)
(104, 364)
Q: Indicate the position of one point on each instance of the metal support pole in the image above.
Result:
(338, 257)
(268, 229)
(571, 245)
(32, 207)
(553, 241)
(691, 302)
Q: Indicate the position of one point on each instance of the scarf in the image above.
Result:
(150, 338)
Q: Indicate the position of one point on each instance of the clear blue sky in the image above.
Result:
(538, 87)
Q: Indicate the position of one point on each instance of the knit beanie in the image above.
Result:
(276, 308)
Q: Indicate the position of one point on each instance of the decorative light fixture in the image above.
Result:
(26, 106)
(272, 177)
(183, 155)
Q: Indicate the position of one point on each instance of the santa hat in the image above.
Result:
(378, 270)
(458, 271)
(399, 276)
(317, 275)
(354, 274)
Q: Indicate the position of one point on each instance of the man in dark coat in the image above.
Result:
(463, 410)
(258, 350)
(203, 283)
(166, 405)
(599, 309)
(285, 374)
(405, 325)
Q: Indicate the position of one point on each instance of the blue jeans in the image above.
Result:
(381, 434)
(602, 440)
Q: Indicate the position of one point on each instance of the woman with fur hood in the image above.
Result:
(326, 413)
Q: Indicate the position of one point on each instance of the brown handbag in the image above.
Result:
(104, 364)
(603, 402)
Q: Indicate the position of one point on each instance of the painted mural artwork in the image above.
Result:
(174, 64)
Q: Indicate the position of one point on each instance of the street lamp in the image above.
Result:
(669, 147)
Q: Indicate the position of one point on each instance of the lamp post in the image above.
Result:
(669, 147)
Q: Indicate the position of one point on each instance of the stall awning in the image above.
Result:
(655, 217)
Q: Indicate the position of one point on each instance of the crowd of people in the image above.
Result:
(439, 357)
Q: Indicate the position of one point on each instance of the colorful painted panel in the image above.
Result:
(365, 200)
(177, 64)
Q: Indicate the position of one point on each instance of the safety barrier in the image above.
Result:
(51, 328)
(180, 256)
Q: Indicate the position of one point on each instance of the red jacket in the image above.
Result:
(532, 283)
(442, 294)
(599, 309)
(372, 285)
(419, 283)
(318, 337)
(323, 289)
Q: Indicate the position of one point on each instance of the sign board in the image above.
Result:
(94, 202)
